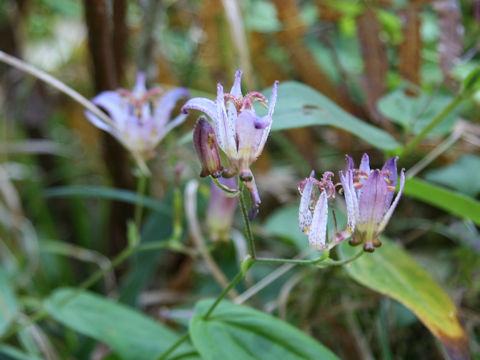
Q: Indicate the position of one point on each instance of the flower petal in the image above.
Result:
(207, 106)
(267, 120)
(237, 84)
(248, 138)
(140, 87)
(390, 173)
(317, 235)
(350, 199)
(371, 203)
(350, 163)
(389, 213)
(114, 104)
(163, 107)
(365, 164)
(304, 213)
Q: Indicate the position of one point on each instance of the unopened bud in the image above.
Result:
(205, 143)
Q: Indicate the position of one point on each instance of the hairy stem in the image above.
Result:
(435, 121)
(248, 229)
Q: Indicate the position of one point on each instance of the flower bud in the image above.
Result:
(221, 209)
(206, 146)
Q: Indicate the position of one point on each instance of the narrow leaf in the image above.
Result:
(8, 302)
(450, 201)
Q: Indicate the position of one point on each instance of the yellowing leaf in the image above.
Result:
(390, 270)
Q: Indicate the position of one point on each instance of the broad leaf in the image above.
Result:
(463, 175)
(447, 200)
(8, 302)
(129, 333)
(415, 113)
(239, 332)
(393, 272)
(299, 105)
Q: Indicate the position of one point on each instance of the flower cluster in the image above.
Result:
(369, 196)
(140, 117)
(237, 130)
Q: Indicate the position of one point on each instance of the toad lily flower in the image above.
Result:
(240, 133)
(140, 118)
(369, 194)
(313, 214)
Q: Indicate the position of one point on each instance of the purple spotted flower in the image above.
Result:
(240, 133)
(369, 195)
(313, 212)
(140, 117)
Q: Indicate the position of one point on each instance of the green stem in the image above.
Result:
(141, 186)
(435, 121)
(224, 293)
(172, 348)
(248, 229)
(318, 261)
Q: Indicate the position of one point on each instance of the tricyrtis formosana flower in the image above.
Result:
(140, 117)
(369, 195)
(313, 213)
(240, 133)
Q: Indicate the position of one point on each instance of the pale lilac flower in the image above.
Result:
(313, 213)
(368, 195)
(140, 117)
(240, 133)
(221, 208)
(206, 147)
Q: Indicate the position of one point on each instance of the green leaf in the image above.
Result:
(106, 193)
(415, 113)
(239, 332)
(447, 200)
(393, 272)
(284, 224)
(463, 175)
(299, 105)
(8, 302)
(15, 354)
(129, 333)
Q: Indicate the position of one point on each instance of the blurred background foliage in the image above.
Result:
(68, 189)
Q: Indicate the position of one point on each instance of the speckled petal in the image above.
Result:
(304, 212)
(390, 211)
(317, 235)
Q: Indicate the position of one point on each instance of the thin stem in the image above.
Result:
(235, 280)
(49, 79)
(248, 229)
(435, 121)
(342, 262)
(172, 348)
(141, 186)
(232, 192)
(321, 261)
(289, 261)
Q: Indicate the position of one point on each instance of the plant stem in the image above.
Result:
(288, 261)
(318, 261)
(235, 280)
(248, 229)
(141, 186)
(435, 121)
(172, 348)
